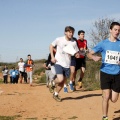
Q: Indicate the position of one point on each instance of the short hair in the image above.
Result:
(69, 28)
(29, 55)
(81, 31)
(113, 24)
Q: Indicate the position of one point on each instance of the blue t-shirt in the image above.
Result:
(110, 52)
(13, 73)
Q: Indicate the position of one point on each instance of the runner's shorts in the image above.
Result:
(80, 62)
(73, 61)
(109, 81)
(61, 70)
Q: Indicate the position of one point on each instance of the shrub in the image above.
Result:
(1, 80)
(91, 80)
(38, 71)
(42, 79)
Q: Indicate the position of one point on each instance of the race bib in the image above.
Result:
(13, 73)
(112, 57)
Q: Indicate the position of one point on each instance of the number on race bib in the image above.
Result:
(112, 57)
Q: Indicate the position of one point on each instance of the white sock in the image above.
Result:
(49, 83)
(56, 93)
(53, 83)
(70, 81)
(65, 85)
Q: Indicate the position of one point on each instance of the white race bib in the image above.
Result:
(13, 73)
(112, 57)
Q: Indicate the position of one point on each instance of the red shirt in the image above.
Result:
(82, 44)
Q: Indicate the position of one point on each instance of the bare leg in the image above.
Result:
(114, 96)
(82, 72)
(60, 81)
(72, 73)
(105, 101)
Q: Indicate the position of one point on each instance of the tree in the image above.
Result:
(100, 30)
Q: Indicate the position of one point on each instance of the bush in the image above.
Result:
(1, 80)
(91, 80)
(38, 71)
(42, 79)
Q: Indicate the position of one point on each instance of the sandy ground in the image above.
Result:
(37, 103)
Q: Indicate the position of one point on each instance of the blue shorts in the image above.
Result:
(61, 70)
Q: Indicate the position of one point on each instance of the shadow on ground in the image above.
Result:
(81, 97)
(118, 118)
(118, 111)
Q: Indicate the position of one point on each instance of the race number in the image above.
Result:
(13, 73)
(112, 57)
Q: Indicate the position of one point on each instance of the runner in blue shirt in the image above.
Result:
(110, 68)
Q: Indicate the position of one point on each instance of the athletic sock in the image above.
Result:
(56, 93)
(71, 82)
(49, 83)
(65, 85)
(53, 83)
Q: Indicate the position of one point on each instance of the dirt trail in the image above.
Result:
(36, 103)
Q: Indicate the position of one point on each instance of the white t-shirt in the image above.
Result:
(21, 66)
(63, 58)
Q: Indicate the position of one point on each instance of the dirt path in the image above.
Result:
(36, 103)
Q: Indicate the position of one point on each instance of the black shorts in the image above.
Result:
(22, 73)
(73, 61)
(109, 81)
(80, 62)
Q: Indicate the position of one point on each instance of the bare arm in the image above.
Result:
(91, 55)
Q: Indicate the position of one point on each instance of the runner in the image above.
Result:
(81, 62)
(110, 68)
(49, 74)
(72, 72)
(29, 68)
(13, 75)
(21, 67)
(62, 59)
(5, 74)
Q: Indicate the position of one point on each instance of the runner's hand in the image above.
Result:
(96, 58)
(77, 55)
(53, 60)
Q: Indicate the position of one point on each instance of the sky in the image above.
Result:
(29, 26)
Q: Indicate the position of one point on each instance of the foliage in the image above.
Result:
(9, 117)
(91, 80)
(42, 79)
(100, 30)
(1, 80)
(38, 71)
(39, 61)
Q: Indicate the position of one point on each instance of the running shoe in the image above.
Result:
(71, 87)
(51, 88)
(106, 118)
(57, 98)
(65, 90)
(80, 84)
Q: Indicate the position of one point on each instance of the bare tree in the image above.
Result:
(100, 30)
